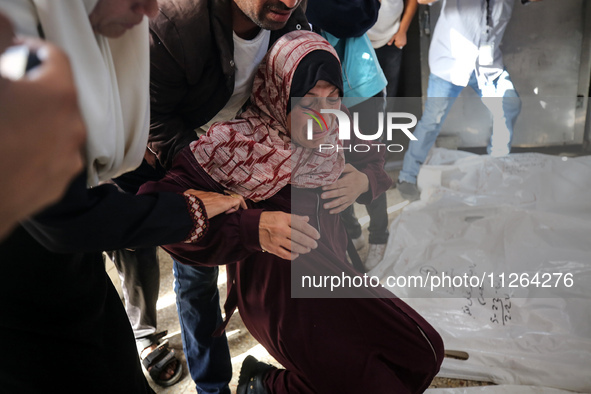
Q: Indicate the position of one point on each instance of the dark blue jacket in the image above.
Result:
(343, 18)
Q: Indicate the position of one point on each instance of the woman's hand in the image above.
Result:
(346, 190)
(216, 203)
(285, 235)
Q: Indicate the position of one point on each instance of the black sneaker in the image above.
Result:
(408, 190)
(251, 377)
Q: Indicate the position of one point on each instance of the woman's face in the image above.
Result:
(322, 96)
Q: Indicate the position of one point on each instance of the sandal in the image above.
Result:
(157, 361)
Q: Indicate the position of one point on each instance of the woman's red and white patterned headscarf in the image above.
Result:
(253, 155)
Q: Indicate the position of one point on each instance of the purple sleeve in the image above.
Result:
(229, 237)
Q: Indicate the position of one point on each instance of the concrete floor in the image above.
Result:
(240, 341)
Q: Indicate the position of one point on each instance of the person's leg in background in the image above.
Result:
(504, 104)
(198, 306)
(139, 272)
(353, 227)
(390, 59)
(378, 231)
(368, 124)
(441, 95)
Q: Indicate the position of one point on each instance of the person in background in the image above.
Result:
(388, 38)
(41, 131)
(64, 318)
(478, 27)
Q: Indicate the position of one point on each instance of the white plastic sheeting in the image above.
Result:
(484, 216)
(502, 389)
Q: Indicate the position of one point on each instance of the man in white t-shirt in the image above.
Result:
(247, 57)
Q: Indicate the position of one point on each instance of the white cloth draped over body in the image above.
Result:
(522, 221)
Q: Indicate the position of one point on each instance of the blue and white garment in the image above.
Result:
(460, 31)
